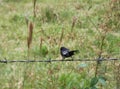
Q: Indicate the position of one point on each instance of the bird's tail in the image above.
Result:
(73, 51)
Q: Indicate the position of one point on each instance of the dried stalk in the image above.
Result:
(30, 32)
(61, 37)
(26, 20)
(41, 41)
(73, 23)
(34, 5)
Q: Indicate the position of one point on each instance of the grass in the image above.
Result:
(53, 27)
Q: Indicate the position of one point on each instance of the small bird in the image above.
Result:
(66, 52)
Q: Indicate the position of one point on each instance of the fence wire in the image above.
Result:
(57, 60)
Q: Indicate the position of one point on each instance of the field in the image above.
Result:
(91, 26)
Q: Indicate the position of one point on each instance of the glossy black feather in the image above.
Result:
(66, 52)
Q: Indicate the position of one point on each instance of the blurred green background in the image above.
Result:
(91, 26)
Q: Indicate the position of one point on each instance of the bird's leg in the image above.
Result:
(63, 58)
(72, 58)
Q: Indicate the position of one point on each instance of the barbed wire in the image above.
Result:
(58, 60)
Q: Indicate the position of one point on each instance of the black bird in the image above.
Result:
(66, 52)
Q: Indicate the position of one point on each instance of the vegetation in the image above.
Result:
(36, 29)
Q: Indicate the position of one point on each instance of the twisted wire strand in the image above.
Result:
(57, 60)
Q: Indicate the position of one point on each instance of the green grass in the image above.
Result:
(52, 18)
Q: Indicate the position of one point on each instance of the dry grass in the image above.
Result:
(89, 26)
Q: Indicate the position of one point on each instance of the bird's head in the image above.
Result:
(62, 48)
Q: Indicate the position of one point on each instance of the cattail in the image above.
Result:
(30, 32)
